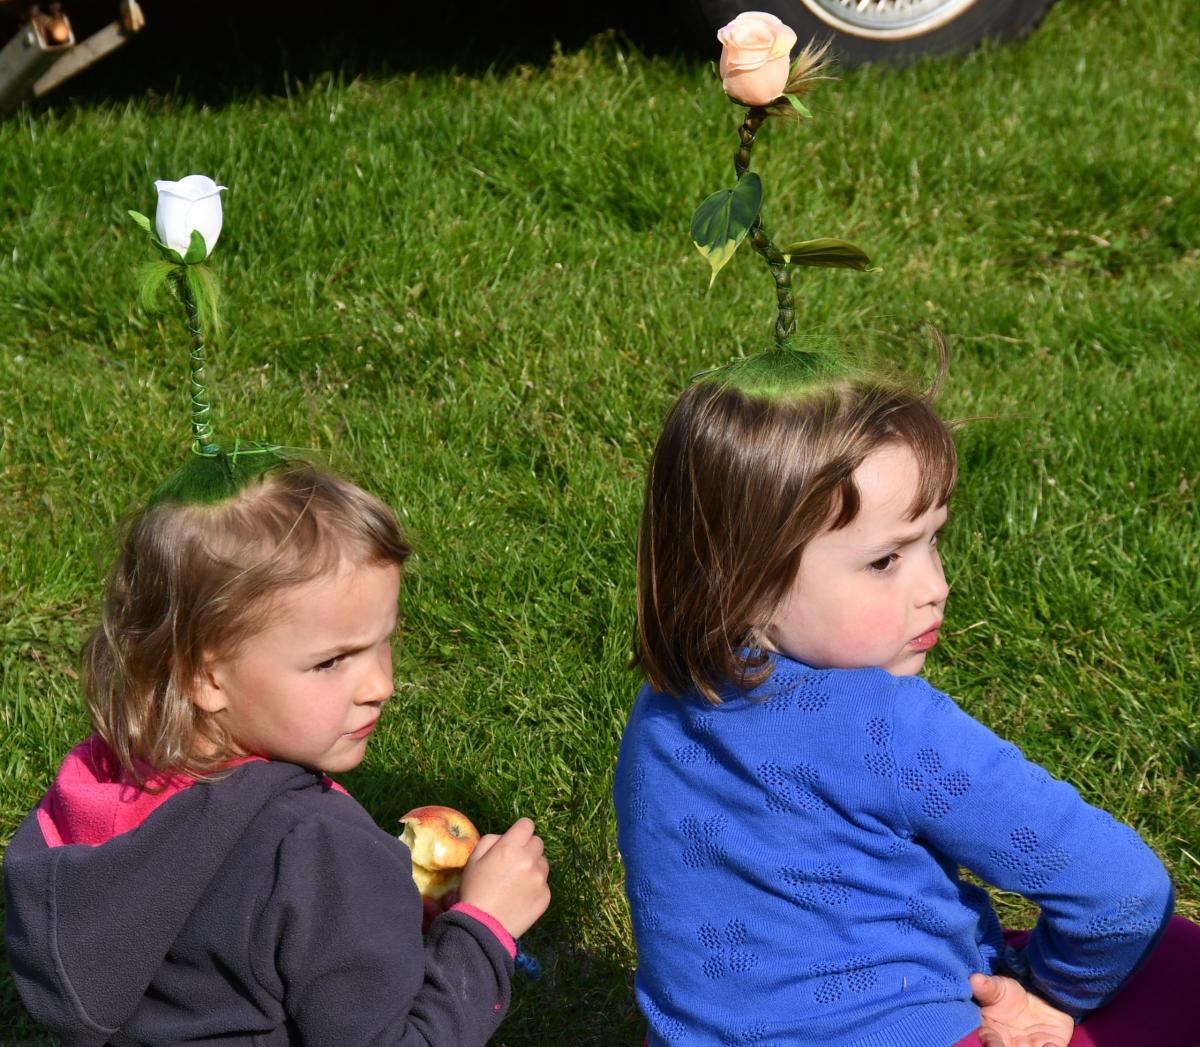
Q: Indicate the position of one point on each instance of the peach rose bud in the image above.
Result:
(756, 52)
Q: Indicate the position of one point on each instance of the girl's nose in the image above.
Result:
(380, 686)
(934, 589)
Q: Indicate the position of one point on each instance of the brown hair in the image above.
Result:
(753, 462)
(192, 581)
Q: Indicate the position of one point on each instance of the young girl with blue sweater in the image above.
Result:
(796, 805)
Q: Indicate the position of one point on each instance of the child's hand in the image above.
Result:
(1014, 1017)
(506, 878)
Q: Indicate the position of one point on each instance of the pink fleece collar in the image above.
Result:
(94, 799)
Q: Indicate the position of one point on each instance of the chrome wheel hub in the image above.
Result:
(887, 19)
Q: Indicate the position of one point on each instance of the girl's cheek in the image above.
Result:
(867, 629)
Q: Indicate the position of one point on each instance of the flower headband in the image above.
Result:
(187, 223)
(756, 72)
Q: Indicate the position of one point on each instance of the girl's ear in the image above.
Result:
(208, 695)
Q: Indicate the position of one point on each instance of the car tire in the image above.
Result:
(889, 30)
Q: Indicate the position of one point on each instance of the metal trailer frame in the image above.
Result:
(44, 51)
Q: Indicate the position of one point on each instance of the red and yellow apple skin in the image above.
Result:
(441, 840)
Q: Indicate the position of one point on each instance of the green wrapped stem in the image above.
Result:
(785, 323)
(202, 433)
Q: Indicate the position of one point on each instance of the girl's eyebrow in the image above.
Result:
(351, 646)
(891, 543)
(316, 657)
(905, 539)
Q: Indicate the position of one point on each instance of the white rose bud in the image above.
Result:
(192, 203)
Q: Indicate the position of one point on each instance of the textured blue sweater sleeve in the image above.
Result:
(1104, 895)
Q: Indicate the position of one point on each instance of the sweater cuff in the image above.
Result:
(490, 922)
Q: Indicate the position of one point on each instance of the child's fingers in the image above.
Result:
(1001, 996)
(519, 833)
(510, 883)
(987, 991)
(485, 844)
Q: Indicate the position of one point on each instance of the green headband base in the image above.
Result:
(784, 371)
(215, 473)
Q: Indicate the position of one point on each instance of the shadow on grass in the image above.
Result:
(228, 50)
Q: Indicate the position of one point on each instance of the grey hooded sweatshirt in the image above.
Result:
(261, 910)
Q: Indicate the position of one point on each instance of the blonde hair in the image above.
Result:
(753, 462)
(192, 581)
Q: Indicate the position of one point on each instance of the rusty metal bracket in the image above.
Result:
(95, 47)
(39, 42)
(44, 52)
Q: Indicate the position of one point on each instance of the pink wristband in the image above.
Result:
(490, 922)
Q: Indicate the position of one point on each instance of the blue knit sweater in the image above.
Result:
(793, 856)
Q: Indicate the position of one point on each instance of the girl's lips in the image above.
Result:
(362, 732)
(926, 640)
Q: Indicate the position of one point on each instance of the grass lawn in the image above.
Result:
(475, 292)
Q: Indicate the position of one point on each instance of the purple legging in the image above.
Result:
(1158, 1007)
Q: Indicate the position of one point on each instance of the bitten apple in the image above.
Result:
(441, 840)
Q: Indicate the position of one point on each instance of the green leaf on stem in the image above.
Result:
(197, 249)
(799, 106)
(724, 219)
(168, 253)
(827, 253)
